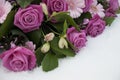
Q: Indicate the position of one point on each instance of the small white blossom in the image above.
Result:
(62, 43)
(49, 37)
(45, 48)
(44, 8)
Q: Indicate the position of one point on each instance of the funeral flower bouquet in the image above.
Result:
(39, 32)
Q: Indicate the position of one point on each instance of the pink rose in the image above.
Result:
(29, 19)
(114, 4)
(30, 45)
(110, 12)
(78, 39)
(88, 4)
(18, 59)
(95, 26)
(56, 5)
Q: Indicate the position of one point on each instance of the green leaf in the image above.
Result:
(82, 17)
(65, 27)
(35, 36)
(49, 62)
(58, 26)
(118, 11)
(39, 56)
(7, 25)
(37, 1)
(109, 20)
(19, 33)
(1, 50)
(24, 3)
(62, 16)
(55, 48)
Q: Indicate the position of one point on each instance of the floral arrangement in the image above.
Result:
(39, 32)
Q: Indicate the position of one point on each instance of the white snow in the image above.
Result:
(99, 60)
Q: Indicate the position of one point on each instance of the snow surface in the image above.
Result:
(99, 60)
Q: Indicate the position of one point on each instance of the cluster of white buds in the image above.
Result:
(46, 47)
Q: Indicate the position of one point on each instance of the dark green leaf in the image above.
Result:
(24, 3)
(49, 62)
(109, 20)
(1, 50)
(65, 27)
(39, 56)
(82, 17)
(60, 55)
(37, 1)
(62, 16)
(118, 11)
(55, 48)
(58, 27)
(7, 25)
(19, 33)
(35, 36)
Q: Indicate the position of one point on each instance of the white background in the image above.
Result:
(99, 60)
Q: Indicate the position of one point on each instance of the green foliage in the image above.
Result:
(109, 20)
(82, 17)
(118, 11)
(49, 62)
(24, 3)
(65, 28)
(17, 32)
(35, 36)
(39, 56)
(7, 25)
(37, 1)
(55, 48)
(61, 17)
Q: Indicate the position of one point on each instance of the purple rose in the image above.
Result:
(78, 39)
(18, 59)
(110, 13)
(29, 19)
(88, 4)
(95, 26)
(114, 4)
(56, 5)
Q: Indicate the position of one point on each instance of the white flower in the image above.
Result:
(75, 7)
(49, 37)
(62, 43)
(45, 48)
(44, 8)
(97, 9)
(5, 8)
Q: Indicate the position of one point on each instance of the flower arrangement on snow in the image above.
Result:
(39, 32)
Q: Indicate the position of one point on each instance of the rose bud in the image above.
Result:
(45, 48)
(44, 8)
(49, 37)
(62, 43)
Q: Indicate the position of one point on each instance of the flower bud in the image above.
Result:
(44, 8)
(30, 45)
(49, 37)
(62, 43)
(45, 48)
